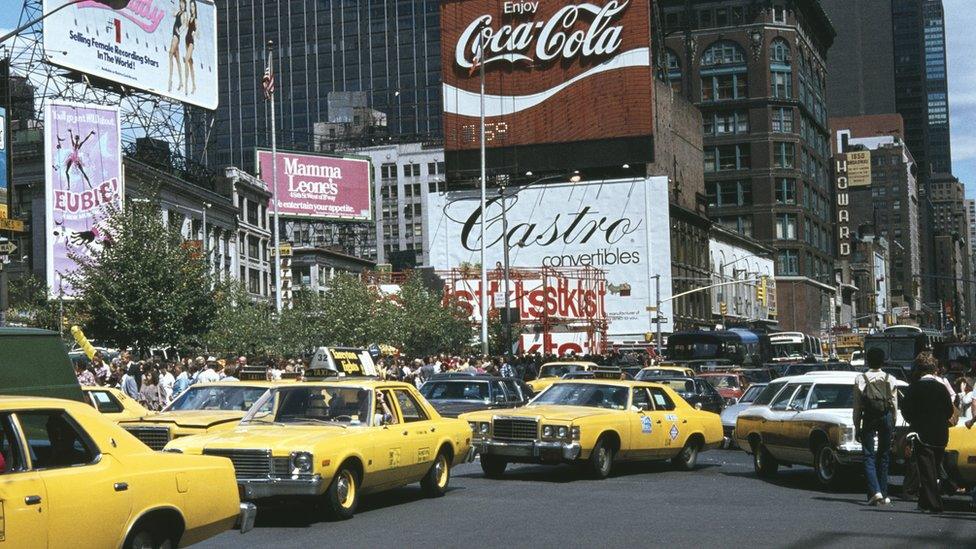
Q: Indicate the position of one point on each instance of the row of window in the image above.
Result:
(389, 171)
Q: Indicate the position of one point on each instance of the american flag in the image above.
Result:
(267, 82)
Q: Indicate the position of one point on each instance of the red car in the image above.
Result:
(730, 385)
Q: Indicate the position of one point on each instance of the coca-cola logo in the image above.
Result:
(561, 36)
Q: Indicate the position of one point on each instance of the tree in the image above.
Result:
(145, 287)
(342, 316)
(29, 304)
(242, 325)
(428, 325)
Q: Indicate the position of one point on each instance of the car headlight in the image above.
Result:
(563, 432)
(474, 427)
(301, 462)
(484, 427)
(547, 431)
(575, 432)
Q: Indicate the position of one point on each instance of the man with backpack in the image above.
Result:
(874, 412)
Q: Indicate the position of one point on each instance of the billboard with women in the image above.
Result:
(83, 178)
(165, 47)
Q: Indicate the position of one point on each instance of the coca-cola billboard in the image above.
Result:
(561, 82)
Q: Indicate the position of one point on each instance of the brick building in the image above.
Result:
(757, 71)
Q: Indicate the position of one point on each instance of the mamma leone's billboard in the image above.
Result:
(620, 227)
(315, 186)
(84, 186)
(165, 47)
(568, 85)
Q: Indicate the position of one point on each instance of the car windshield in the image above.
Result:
(584, 394)
(751, 393)
(680, 386)
(456, 390)
(800, 369)
(558, 370)
(315, 404)
(723, 382)
(221, 397)
(648, 373)
(767, 394)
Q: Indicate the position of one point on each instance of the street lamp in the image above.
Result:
(112, 4)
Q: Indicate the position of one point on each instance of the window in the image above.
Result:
(786, 191)
(409, 407)
(782, 84)
(784, 155)
(54, 440)
(641, 399)
(779, 14)
(781, 400)
(786, 226)
(799, 400)
(724, 72)
(728, 157)
(788, 262)
(741, 224)
(729, 193)
(105, 402)
(388, 171)
(782, 120)
(661, 399)
(726, 123)
(674, 70)
(831, 397)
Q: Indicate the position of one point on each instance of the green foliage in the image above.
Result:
(242, 325)
(147, 288)
(29, 305)
(427, 325)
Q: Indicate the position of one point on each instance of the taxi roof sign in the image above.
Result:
(341, 362)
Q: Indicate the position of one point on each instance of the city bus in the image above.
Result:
(795, 347)
(901, 344)
(735, 347)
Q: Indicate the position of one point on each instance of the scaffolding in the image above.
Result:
(562, 309)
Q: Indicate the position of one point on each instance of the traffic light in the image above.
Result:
(761, 291)
(723, 308)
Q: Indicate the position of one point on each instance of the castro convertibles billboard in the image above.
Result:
(567, 85)
(621, 227)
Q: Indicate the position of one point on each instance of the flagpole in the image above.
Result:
(274, 187)
(484, 204)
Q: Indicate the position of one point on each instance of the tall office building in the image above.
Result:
(389, 49)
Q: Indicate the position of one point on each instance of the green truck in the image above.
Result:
(35, 363)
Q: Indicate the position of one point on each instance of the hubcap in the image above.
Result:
(345, 489)
(440, 471)
(827, 464)
(601, 458)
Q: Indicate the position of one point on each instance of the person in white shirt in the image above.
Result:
(209, 374)
(166, 383)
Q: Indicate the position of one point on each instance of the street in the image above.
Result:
(722, 503)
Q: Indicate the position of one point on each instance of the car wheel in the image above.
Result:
(763, 462)
(434, 484)
(493, 466)
(601, 459)
(688, 457)
(342, 497)
(827, 467)
(148, 536)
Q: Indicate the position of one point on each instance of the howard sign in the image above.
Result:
(555, 74)
(620, 227)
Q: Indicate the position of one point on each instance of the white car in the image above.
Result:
(808, 421)
(857, 359)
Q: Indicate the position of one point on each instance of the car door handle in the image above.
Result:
(684, 421)
(121, 486)
(659, 422)
(405, 433)
(433, 429)
(32, 500)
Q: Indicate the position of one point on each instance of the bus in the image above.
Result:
(901, 344)
(735, 347)
(795, 347)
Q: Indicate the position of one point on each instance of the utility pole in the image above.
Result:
(274, 188)
(484, 202)
(505, 268)
(657, 311)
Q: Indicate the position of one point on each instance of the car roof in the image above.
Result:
(14, 401)
(829, 376)
(364, 382)
(570, 363)
(460, 376)
(720, 374)
(242, 383)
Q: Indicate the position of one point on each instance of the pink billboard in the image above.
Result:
(318, 187)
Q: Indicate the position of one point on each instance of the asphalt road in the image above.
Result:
(722, 503)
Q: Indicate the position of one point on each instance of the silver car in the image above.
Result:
(731, 413)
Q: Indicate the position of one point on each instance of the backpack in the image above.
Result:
(876, 398)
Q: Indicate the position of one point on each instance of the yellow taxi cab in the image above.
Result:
(666, 370)
(114, 404)
(960, 455)
(63, 462)
(552, 372)
(595, 423)
(201, 408)
(336, 441)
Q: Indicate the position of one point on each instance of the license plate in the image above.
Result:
(515, 451)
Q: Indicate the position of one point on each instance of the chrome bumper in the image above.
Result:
(529, 450)
(849, 456)
(245, 520)
(469, 457)
(252, 489)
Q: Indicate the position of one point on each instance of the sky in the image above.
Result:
(960, 18)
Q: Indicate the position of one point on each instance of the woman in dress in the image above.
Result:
(191, 30)
(174, 45)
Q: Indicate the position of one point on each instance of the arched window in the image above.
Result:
(724, 72)
(673, 70)
(780, 69)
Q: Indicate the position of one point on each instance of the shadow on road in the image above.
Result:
(563, 473)
(310, 512)
(800, 479)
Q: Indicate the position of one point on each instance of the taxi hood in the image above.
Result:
(193, 419)
(279, 439)
(550, 412)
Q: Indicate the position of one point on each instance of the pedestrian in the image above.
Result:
(928, 410)
(182, 380)
(209, 374)
(129, 383)
(507, 369)
(85, 377)
(149, 393)
(229, 373)
(167, 381)
(875, 401)
(100, 368)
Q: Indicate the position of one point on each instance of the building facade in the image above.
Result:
(757, 71)
(953, 260)
(734, 257)
(253, 258)
(388, 49)
(403, 175)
